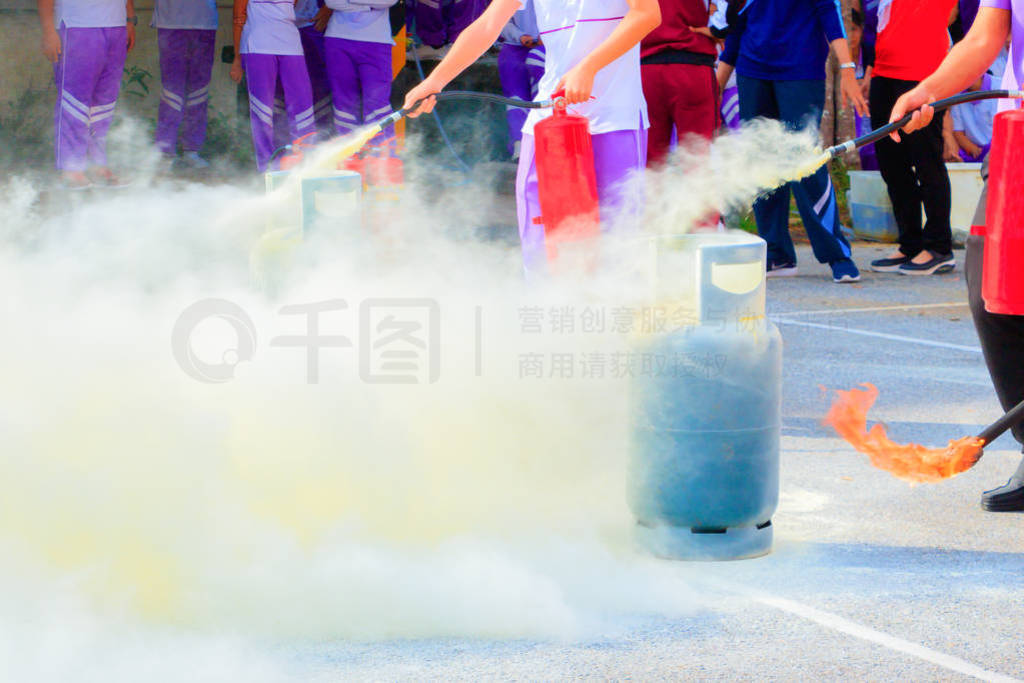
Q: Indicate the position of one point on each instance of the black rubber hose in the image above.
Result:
(490, 97)
(472, 95)
(996, 429)
(876, 135)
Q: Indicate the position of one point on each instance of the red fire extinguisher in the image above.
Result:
(1002, 284)
(295, 158)
(566, 180)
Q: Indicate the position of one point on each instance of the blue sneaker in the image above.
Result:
(845, 270)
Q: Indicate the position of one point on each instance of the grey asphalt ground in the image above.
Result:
(870, 579)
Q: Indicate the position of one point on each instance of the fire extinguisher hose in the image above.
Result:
(469, 95)
(878, 134)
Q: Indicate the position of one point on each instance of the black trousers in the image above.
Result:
(1002, 336)
(914, 172)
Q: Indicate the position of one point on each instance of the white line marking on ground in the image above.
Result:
(843, 625)
(876, 309)
(880, 335)
(848, 627)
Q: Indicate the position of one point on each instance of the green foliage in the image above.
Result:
(26, 129)
(228, 140)
(135, 81)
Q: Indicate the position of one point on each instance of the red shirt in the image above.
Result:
(677, 16)
(915, 40)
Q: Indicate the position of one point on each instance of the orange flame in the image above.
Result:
(911, 462)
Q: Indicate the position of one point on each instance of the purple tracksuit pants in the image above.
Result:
(360, 76)
(261, 73)
(618, 157)
(186, 62)
(439, 22)
(520, 69)
(88, 76)
(313, 51)
(731, 108)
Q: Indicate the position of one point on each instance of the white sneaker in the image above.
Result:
(781, 269)
(194, 161)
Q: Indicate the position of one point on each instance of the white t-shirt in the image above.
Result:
(90, 13)
(359, 22)
(571, 30)
(270, 29)
(190, 14)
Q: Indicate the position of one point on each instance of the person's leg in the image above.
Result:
(75, 73)
(731, 108)
(535, 60)
(695, 115)
(298, 94)
(104, 96)
(933, 179)
(531, 235)
(619, 161)
(173, 46)
(868, 161)
(430, 23)
(659, 93)
(261, 78)
(515, 83)
(1002, 342)
(282, 127)
(800, 105)
(313, 49)
(200, 67)
(771, 211)
(695, 104)
(896, 168)
(374, 69)
(343, 79)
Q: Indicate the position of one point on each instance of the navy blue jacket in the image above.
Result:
(783, 40)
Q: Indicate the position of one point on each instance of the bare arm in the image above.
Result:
(722, 73)
(237, 24)
(643, 17)
(966, 144)
(51, 39)
(967, 61)
(848, 79)
(950, 146)
(470, 44)
(129, 7)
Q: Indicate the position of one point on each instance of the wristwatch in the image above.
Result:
(133, 20)
(848, 65)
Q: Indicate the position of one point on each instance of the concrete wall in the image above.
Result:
(23, 66)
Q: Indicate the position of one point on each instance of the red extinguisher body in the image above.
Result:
(1003, 272)
(566, 180)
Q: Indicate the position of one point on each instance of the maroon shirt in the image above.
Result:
(677, 16)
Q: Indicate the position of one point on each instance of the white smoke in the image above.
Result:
(489, 503)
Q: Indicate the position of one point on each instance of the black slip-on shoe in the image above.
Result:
(938, 263)
(889, 265)
(1006, 498)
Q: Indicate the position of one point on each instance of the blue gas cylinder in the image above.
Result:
(703, 477)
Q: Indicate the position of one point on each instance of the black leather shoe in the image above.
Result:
(1006, 498)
